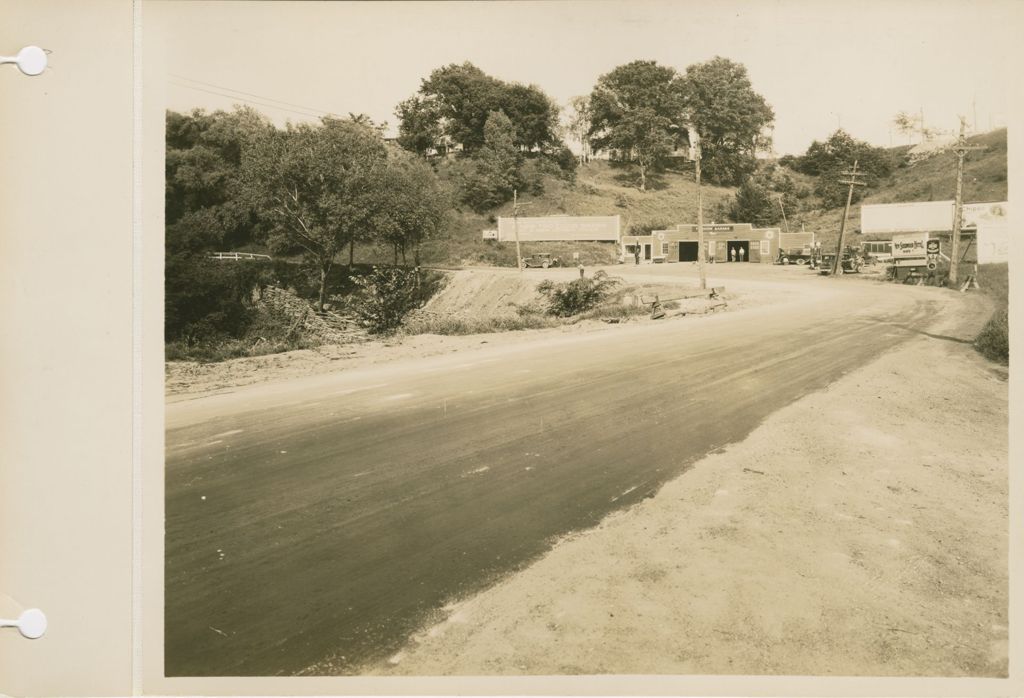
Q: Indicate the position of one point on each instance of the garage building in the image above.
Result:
(726, 242)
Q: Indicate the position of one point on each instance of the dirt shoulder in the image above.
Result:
(479, 291)
(859, 531)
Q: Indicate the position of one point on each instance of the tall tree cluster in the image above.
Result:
(453, 104)
(500, 136)
(828, 159)
(640, 112)
(233, 180)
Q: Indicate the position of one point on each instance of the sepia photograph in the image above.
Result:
(584, 337)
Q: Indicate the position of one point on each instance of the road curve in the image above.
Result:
(314, 524)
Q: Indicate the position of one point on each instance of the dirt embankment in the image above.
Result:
(860, 531)
(469, 293)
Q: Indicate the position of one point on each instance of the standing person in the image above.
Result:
(740, 252)
(732, 254)
(636, 252)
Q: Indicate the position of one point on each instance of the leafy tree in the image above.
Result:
(316, 184)
(489, 177)
(754, 203)
(203, 206)
(829, 159)
(636, 112)
(410, 205)
(729, 116)
(453, 104)
(419, 125)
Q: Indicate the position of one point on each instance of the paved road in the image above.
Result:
(313, 525)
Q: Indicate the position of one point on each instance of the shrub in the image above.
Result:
(994, 340)
(208, 299)
(387, 294)
(578, 295)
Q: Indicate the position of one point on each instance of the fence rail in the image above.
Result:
(239, 256)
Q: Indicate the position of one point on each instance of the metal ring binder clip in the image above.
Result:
(30, 60)
(31, 623)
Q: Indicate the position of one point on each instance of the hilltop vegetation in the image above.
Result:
(931, 178)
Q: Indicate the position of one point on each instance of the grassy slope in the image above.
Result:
(605, 189)
(601, 189)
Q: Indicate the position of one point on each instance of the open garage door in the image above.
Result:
(688, 251)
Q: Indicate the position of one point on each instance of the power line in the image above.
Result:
(319, 112)
(236, 98)
(250, 94)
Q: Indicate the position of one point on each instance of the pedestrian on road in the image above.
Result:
(636, 252)
(732, 254)
(741, 254)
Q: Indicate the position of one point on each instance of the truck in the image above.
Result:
(796, 248)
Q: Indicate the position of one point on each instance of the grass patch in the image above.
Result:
(615, 312)
(993, 342)
(212, 351)
(448, 325)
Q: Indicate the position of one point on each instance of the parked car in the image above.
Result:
(851, 263)
(542, 260)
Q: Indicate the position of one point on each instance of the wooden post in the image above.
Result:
(961, 151)
(701, 246)
(837, 265)
(515, 227)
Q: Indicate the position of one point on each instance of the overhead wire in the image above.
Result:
(266, 101)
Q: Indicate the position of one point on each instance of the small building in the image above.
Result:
(726, 242)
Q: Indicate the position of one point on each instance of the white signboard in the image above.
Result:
(909, 217)
(491, 234)
(936, 216)
(909, 249)
(559, 228)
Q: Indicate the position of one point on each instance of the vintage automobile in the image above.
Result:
(542, 260)
(851, 263)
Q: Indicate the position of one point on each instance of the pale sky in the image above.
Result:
(819, 63)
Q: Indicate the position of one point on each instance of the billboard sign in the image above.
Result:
(491, 234)
(936, 216)
(905, 218)
(551, 228)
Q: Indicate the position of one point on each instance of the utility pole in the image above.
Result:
(961, 149)
(701, 248)
(837, 265)
(783, 213)
(515, 226)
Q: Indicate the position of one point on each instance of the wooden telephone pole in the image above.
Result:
(515, 225)
(961, 149)
(701, 246)
(837, 265)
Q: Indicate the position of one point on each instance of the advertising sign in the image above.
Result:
(936, 216)
(490, 234)
(909, 249)
(712, 228)
(559, 228)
